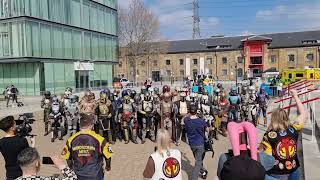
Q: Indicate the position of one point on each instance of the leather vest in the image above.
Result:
(183, 110)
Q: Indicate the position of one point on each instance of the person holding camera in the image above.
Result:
(195, 128)
(11, 145)
(164, 162)
(29, 161)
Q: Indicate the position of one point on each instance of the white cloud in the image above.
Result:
(294, 17)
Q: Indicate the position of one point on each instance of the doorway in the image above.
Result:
(82, 79)
(156, 76)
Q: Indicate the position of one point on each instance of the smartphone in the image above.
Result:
(47, 160)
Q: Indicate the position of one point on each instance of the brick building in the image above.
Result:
(228, 57)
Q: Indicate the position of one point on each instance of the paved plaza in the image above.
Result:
(129, 160)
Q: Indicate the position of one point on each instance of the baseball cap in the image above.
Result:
(242, 168)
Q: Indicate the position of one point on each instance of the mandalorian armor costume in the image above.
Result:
(46, 104)
(87, 104)
(244, 103)
(147, 112)
(253, 106)
(72, 114)
(180, 111)
(223, 114)
(103, 111)
(166, 112)
(127, 115)
(262, 99)
(57, 123)
(234, 101)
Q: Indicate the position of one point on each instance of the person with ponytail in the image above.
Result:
(164, 163)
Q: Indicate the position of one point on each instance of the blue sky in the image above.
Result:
(234, 17)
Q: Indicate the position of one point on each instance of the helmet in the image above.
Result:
(205, 92)
(217, 91)
(234, 88)
(165, 89)
(223, 95)
(72, 99)
(193, 97)
(137, 98)
(178, 89)
(111, 97)
(69, 89)
(151, 90)
(156, 90)
(55, 99)
(200, 88)
(183, 96)
(143, 89)
(147, 96)
(244, 89)
(126, 99)
(251, 88)
(129, 92)
(103, 96)
(87, 92)
(219, 85)
(133, 93)
(105, 91)
(47, 94)
(124, 93)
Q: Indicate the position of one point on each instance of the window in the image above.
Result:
(76, 44)
(240, 72)
(240, 59)
(224, 72)
(168, 72)
(224, 60)
(209, 60)
(168, 62)
(57, 42)
(67, 37)
(45, 40)
(102, 46)
(195, 61)
(210, 71)
(143, 63)
(5, 44)
(86, 46)
(94, 46)
(86, 14)
(75, 13)
(273, 59)
(300, 75)
(93, 16)
(291, 58)
(181, 62)
(310, 57)
(181, 72)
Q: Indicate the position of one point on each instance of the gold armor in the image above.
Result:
(87, 107)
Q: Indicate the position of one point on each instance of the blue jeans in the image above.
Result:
(293, 176)
(198, 153)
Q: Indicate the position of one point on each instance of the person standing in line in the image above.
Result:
(85, 150)
(280, 141)
(195, 128)
(164, 163)
(11, 145)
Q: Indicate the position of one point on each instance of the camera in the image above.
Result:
(23, 123)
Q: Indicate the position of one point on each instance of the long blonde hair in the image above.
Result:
(279, 120)
(163, 141)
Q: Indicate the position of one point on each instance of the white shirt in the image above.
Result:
(167, 167)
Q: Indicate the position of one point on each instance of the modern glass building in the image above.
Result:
(51, 44)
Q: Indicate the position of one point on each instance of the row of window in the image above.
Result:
(209, 61)
(80, 13)
(34, 39)
(292, 58)
(224, 72)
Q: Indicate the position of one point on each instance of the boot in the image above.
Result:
(110, 137)
(265, 122)
(258, 121)
(224, 129)
(215, 134)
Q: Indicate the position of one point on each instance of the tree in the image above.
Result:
(138, 33)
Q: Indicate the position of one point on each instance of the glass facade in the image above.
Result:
(28, 38)
(41, 39)
(98, 15)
